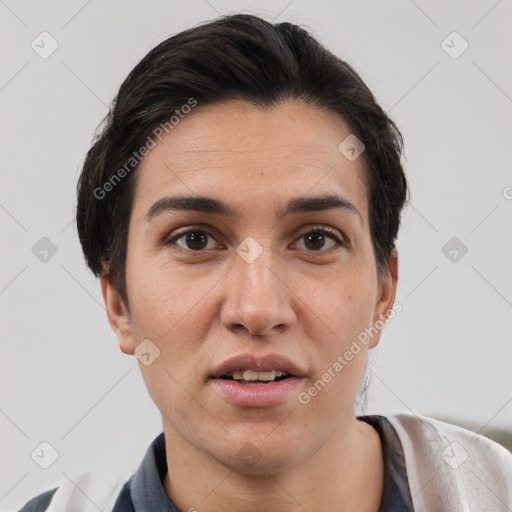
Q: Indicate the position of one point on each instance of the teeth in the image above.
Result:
(252, 375)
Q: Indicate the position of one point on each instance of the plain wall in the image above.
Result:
(448, 353)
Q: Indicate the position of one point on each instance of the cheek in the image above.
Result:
(173, 396)
(341, 312)
(163, 300)
(343, 307)
(170, 309)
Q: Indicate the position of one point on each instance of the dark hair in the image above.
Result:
(232, 57)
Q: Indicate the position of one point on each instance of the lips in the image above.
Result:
(249, 362)
(264, 389)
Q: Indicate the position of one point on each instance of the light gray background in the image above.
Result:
(448, 353)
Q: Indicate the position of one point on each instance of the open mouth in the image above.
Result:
(266, 387)
(254, 378)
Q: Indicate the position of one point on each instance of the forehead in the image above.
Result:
(238, 151)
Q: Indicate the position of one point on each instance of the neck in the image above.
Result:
(346, 473)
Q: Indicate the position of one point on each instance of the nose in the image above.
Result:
(258, 301)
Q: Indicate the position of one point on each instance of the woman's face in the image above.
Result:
(255, 284)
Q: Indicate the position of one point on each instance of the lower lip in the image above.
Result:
(262, 395)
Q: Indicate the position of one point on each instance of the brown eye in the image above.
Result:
(314, 241)
(317, 239)
(194, 240)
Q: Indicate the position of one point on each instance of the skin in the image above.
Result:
(201, 307)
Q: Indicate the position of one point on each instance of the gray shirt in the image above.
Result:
(144, 491)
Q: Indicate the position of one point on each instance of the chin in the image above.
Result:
(263, 452)
(265, 463)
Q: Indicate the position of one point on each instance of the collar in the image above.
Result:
(147, 491)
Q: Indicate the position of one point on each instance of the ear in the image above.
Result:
(385, 298)
(117, 315)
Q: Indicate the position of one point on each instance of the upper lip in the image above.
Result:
(265, 363)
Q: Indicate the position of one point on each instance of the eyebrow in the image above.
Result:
(204, 204)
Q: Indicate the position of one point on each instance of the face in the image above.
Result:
(273, 275)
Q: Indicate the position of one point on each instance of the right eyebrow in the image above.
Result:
(191, 203)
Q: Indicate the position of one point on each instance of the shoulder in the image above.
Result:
(85, 492)
(435, 437)
(449, 464)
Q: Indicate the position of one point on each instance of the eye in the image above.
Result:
(315, 239)
(194, 239)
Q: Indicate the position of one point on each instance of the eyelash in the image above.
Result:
(328, 232)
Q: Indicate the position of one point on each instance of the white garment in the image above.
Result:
(449, 469)
(452, 469)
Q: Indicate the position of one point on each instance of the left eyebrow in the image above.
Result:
(316, 204)
(210, 205)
